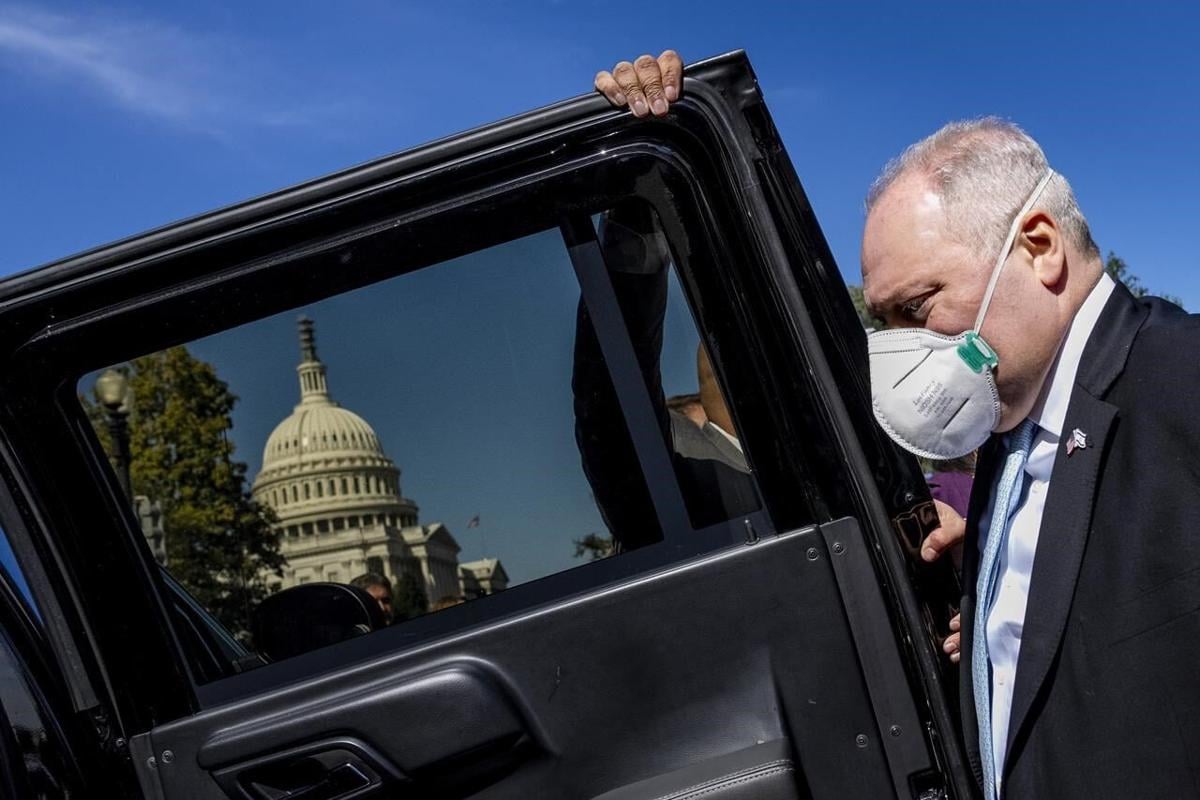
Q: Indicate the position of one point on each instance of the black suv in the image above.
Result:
(676, 557)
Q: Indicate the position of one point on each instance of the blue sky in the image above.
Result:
(123, 116)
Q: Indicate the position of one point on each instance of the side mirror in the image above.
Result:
(311, 616)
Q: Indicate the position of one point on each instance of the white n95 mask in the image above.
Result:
(935, 395)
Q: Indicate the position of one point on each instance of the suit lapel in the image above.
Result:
(730, 455)
(1066, 520)
(1067, 516)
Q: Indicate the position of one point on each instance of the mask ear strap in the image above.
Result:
(1008, 243)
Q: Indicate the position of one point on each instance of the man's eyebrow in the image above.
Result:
(876, 308)
(897, 297)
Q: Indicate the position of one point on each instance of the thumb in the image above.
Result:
(949, 533)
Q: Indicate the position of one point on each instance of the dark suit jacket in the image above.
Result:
(1107, 695)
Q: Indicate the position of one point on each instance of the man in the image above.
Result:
(714, 475)
(380, 588)
(1080, 623)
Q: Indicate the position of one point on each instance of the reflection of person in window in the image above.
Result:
(715, 438)
(712, 471)
(380, 588)
(690, 406)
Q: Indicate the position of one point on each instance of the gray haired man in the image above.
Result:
(1080, 622)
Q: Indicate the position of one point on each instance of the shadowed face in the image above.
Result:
(383, 596)
(916, 273)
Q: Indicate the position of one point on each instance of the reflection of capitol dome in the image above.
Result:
(324, 461)
(337, 498)
(318, 426)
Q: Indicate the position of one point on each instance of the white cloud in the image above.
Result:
(203, 82)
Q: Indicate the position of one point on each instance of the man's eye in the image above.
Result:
(914, 308)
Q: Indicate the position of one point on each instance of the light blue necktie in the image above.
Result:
(1008, 493)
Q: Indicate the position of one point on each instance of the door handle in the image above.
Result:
(340, 781)
(328, 770)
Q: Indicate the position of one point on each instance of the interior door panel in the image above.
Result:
(458, 717)
(763, 772)
(629, 684)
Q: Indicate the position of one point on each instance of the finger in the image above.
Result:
(627, 78)
(671, 67)
(946, 513)
(956, 622)
(652, 84)
(607, 85)
(954, 657)
(936, 543)
(951, 645)
(950, 531)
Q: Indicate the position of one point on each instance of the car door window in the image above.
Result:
(706, 452)
(432, 439)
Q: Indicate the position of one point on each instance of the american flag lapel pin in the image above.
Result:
(1078, 441)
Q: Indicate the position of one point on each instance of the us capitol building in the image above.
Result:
(340, 508)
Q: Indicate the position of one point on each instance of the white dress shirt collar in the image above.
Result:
(1050, 409)
(733, 440)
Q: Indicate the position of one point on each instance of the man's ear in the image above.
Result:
(1042, 240)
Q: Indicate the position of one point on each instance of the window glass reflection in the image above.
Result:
(401, 449)
(11, 571)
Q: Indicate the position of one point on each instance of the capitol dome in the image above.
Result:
(323, 466)
(339, 509)
(317, 428)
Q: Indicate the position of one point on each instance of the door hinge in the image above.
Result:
(146, 766)
(110, 741)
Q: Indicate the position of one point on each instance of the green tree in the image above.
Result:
(1115, 266)
(221, 544)
(1119, 270)
(594, 546)
(408, 598)
(860, 305)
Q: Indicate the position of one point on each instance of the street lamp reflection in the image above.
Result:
(115, 396)
(112, 390)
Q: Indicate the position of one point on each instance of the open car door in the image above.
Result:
(632, 592)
